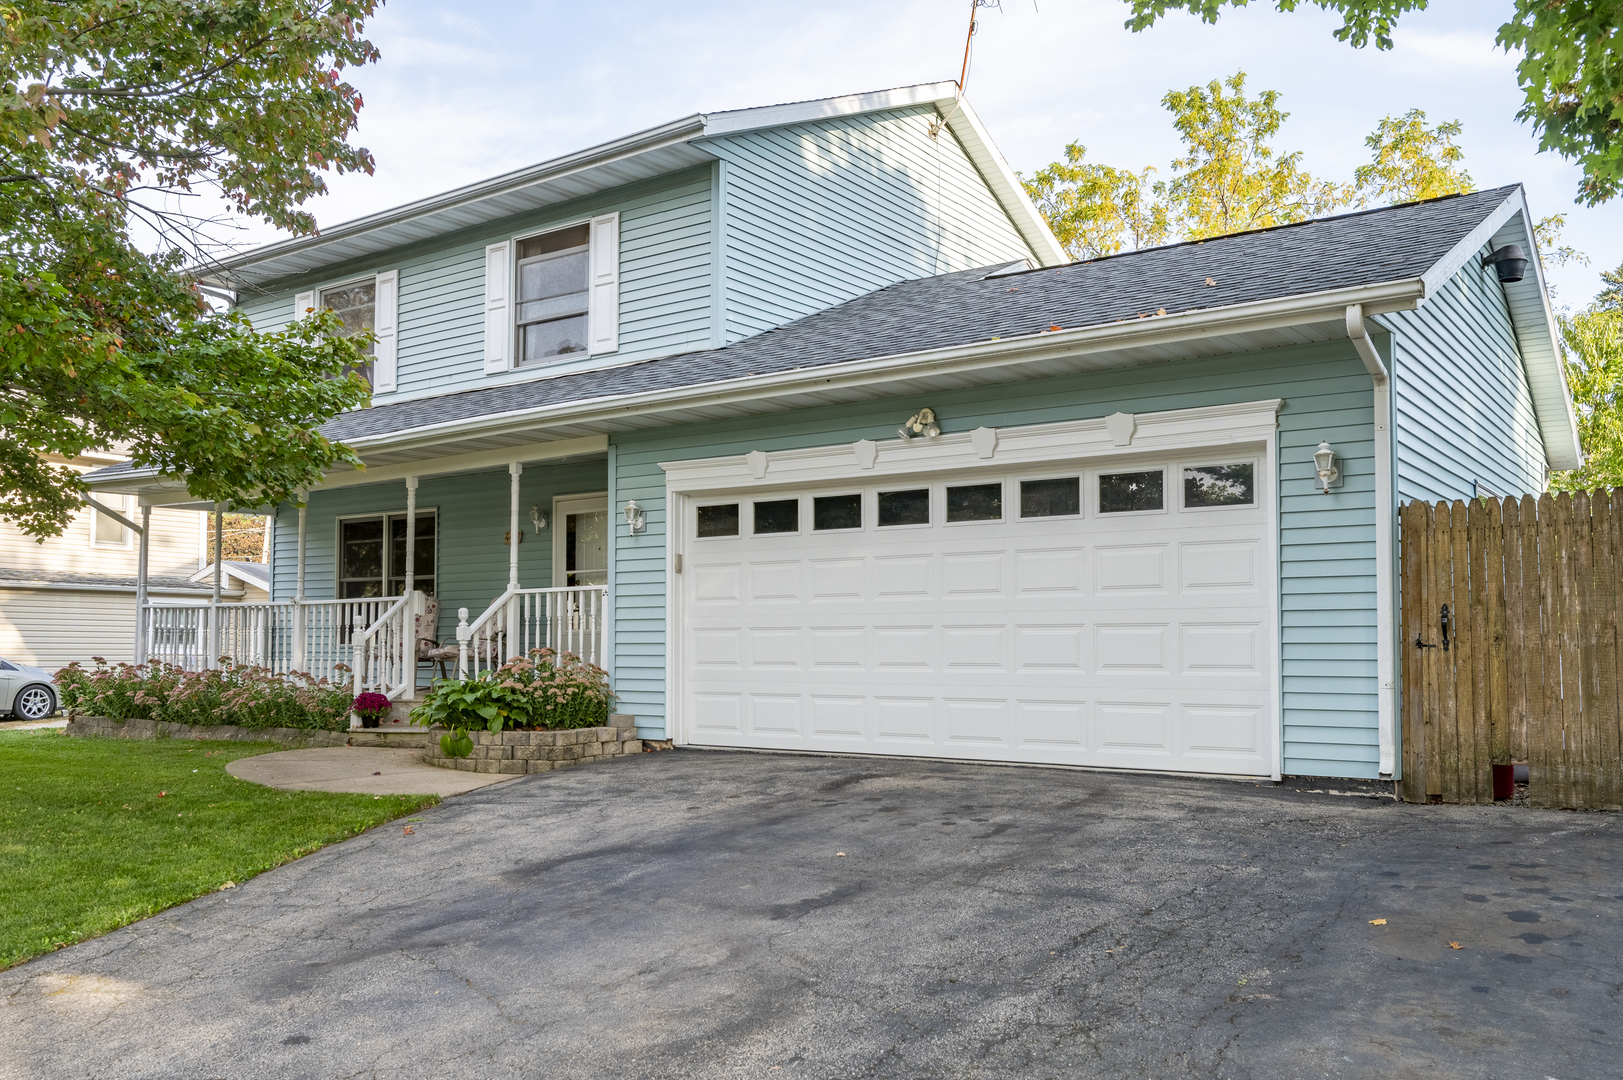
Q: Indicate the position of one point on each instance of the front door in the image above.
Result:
(580, 540)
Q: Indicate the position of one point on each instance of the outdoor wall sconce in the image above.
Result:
(920, 423)
(1509, 262)
(538, 519)
(1324, 461)
(634, 517)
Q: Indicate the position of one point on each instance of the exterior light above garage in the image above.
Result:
(1324, 461)
(920, 423)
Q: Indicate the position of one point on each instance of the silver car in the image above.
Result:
(26, 691)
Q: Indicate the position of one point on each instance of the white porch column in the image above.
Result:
(141, 586)
(411, 536)
(297, 660)
(514, 470)
(214, 599)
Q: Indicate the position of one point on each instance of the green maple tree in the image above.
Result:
(111, 111)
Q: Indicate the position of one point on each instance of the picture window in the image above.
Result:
(777, 516)
(370, 566)
(1125, 492)
(975, 502)
(1219, 485)
(718, 520)
(1051, 498)
(552, 295)
(837, 512)
(904, 507)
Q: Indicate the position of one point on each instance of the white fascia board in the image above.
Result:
(1537, 336)
(1005, 184)
(1323, 307)
(526, 454)
(1211, 426)
(799, 112)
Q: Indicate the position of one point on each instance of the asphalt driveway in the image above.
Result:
(690, 914)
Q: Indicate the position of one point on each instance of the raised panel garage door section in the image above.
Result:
(1115, 616)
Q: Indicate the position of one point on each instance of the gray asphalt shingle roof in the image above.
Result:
(1389, 244)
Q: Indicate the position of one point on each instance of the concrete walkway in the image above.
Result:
(366, 770)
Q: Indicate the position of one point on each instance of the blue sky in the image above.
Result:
(470, 89)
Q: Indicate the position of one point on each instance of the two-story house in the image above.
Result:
(798, 421)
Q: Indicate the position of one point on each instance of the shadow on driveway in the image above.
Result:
(690, 914)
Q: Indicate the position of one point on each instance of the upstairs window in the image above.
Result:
(356, 306)
(109, 531)
(553, 287)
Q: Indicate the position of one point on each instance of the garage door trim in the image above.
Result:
(1087, 442)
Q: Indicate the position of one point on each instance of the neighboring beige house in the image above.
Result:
(72, 597)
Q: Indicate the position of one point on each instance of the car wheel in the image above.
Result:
(34, 702)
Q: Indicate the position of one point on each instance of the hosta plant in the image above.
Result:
(545, 689)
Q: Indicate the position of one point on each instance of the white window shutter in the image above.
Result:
(603, 305)
(302, 304)
(498, 313)
(385, 321)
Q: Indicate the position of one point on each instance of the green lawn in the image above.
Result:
(96, 833)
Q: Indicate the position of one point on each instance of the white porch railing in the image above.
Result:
(566, 619)
(372, 637)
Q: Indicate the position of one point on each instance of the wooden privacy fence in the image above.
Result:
(1511, 648)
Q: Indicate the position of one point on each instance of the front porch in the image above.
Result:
(385, 586)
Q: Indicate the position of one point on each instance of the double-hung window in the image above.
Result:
(356, 306)
(553, 289)
(553, 297)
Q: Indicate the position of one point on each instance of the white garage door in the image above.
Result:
(1109, 616)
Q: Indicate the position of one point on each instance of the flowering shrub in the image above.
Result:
(371, 706)
(239, 694)
(546, 689)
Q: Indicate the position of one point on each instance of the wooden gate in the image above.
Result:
(1511, 650)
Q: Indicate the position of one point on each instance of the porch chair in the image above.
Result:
(429, 648)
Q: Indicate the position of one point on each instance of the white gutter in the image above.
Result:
(1385, 660)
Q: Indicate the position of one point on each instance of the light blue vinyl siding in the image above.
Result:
(818, 213)
(665, 287)
(1327, 550)
(473, 516)
(1462, 406)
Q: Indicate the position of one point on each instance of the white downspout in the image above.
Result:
(1385, 658)
(214, 598)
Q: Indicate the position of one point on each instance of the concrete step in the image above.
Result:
(387, 734)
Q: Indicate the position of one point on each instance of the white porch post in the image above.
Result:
(141, 586)
(298, 589)
(514, 469)
(411, 536)
(214, 599)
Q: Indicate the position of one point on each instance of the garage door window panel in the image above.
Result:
(1136, 492)
(831, 513)
(1223, 485)
(911, 507)
(777, 516)
(1059, 497)
(718, 520)
(975, 502)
